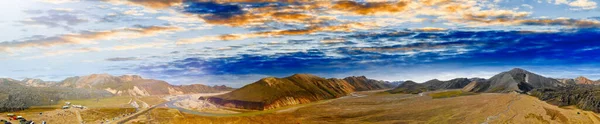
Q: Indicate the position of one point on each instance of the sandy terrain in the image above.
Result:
(361, 107)
(377, 107)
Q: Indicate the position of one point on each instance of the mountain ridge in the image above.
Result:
(272, 92)
(130, 85)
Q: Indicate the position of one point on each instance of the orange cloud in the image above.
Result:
(88, 37)
(370, 8)
(155, 4)
(336, 28)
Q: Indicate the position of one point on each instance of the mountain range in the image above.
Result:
(125, 85)
(579, 80)
(271, 92)
(435, 84)
(21, 94)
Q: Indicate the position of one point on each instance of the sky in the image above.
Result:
(236, 42)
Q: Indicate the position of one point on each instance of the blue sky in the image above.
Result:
(236, 42)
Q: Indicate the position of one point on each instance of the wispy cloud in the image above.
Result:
(116, 59)
(60, 17)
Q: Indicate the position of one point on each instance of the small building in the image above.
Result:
(78, 106)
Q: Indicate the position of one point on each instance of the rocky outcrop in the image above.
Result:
(518, 80)
(270, 93)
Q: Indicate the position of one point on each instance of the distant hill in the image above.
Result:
(518, 80)
(456, 83)
(409, 87)
(584, 80)
(435, 84)
(15, 95)
(133, 85)
(271, 92)
(395, 83)
(37, 82)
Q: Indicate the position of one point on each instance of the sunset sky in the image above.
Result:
(236, 42)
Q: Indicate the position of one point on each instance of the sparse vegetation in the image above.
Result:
(586, 97)
(447, 94)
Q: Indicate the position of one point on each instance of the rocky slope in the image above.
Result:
(270, 93)
(518, 80)
(133, 85)
(585, 97)
(14, 95)
(566, 81)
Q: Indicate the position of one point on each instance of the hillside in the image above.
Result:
(133, 85)
(15, 96)
(270, 93)
(585, 97)
(518, 80)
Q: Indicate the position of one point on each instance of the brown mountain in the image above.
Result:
(518, 80)
(271, 92)
(133, 85)
(584, 80)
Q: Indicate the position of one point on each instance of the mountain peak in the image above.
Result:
(518, 70)
(582, 78)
